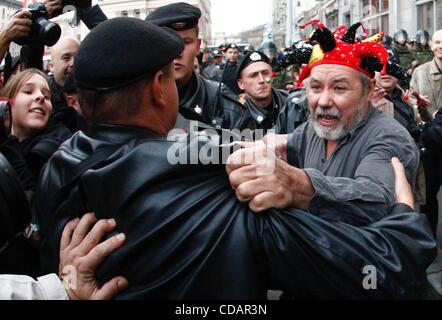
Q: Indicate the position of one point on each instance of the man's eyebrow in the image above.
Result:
(341, 80)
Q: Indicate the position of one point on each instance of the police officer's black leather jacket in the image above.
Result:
(294, 113)
(189, 238)
(208, 102)
(285, 114)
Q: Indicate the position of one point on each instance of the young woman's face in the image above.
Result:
(32, 107)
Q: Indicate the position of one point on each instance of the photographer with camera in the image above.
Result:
(17, 27)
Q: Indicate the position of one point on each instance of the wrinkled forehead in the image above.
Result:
(333, 73)
(256, 67)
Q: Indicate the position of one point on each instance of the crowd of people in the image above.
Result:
(345, 175)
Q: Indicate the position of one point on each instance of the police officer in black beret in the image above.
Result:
(231, 53)
(200, 99)
(269, 108)
(214, 71)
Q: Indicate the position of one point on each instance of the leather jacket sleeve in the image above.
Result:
(294, 113)
(92, 16)
(324, 259)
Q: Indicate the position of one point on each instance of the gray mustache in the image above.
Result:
(331, 112)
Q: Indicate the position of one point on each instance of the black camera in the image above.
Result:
(43, 31)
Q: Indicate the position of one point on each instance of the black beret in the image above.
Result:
(251, 57)
(231, 46)
(178, 16)
(121, 51)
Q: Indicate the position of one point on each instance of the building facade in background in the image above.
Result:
(279, 21)
(141, 8)
(133, 8)
(376, 15)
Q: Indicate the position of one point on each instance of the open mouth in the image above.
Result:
(38, 110)
(328, 120)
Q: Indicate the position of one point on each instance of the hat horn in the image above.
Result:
(293, 56)
(350, 35)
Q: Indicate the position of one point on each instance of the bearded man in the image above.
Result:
(336, 164)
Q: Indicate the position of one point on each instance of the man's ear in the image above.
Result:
(371, 88)
(51, 66)
(240, 84)
(157, 90)
(73, 103)
(198, 46)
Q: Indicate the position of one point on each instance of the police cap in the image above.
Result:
(231, 46)
(251, 57)
(178, 16)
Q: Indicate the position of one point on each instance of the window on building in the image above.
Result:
(124, 13)
(425, 15)
(137, 13)
(332, 20)
(372, 7)
(347, 19)
(375, 16)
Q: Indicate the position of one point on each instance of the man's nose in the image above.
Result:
(325, 100)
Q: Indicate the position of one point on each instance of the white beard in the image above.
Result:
(334, 134)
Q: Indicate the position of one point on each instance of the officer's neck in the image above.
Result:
(262, 103)
(184, 84)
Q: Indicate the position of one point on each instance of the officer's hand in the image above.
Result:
(54, 7)
(17, 27)
(404, 194)
(263, 180)
(81, 253)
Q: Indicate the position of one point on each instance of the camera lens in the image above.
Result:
(48, 32)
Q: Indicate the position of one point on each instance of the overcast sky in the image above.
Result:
(231, 16)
